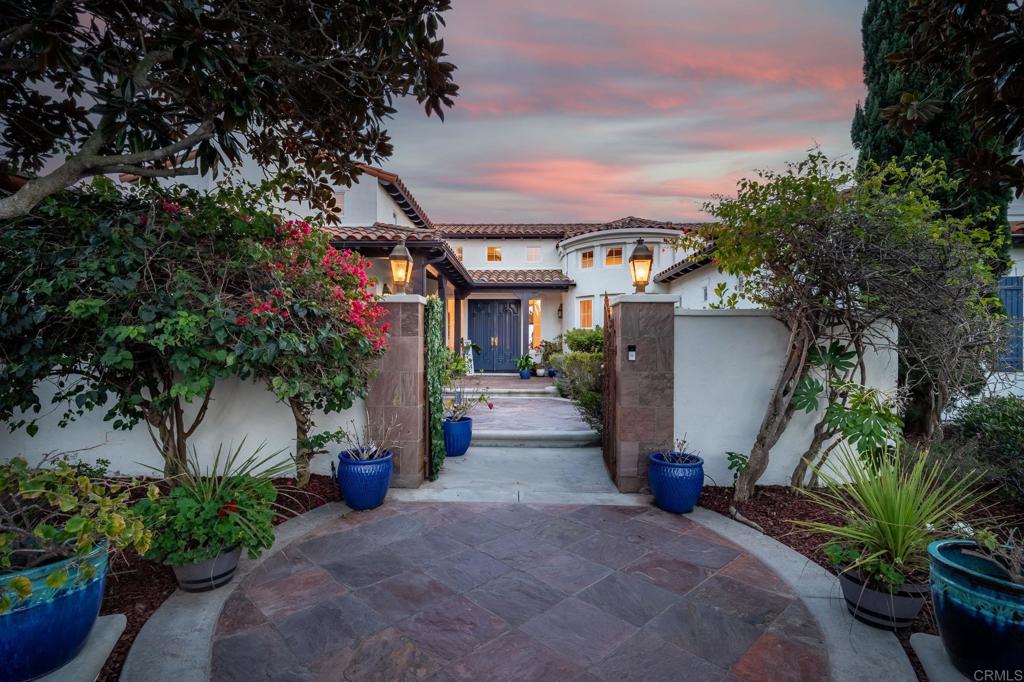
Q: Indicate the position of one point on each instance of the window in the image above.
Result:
(1011, 293)
(535, 323)
(587, 259)
(458, 252)
(532, 254)
(613, 256)
(493, 254)
(587, 313)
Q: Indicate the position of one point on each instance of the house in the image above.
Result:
(509, 286)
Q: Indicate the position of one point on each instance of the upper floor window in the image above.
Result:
(587, 259)
(493, 254)
(458, 252)
(532, 254)
(613, 256)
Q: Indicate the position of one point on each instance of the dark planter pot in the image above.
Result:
(49, 628)
(980, 612)
(552, 372)
(457, 436)
(204, 576)
(364, 482)
(524, 374)
(881, 608)
(676, 487)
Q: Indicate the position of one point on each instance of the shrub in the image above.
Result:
(585, 340)
(579, 379)
(992, 430)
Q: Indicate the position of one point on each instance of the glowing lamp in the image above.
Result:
(401, 265)
(640, 263)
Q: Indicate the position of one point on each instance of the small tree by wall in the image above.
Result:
(839, 255)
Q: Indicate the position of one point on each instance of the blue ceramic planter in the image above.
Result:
(980, 612)
(552, 372)
(49, 628)
(676, 487)
(457, 436)
(364, 482)
(524, 374)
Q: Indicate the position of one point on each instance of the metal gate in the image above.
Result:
(608, 388)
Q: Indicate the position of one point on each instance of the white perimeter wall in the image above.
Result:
(726, 365)
(238, 409)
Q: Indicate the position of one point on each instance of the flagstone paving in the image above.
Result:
(450, 592)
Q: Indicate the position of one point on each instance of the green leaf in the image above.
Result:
(805, 396)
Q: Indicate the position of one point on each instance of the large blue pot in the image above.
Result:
(457, 436)
(676, 486)
(364, 482)
(48, 629)
(980, 612)
(525, 374)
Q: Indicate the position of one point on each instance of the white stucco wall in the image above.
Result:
(513, 254)
(238, 409)
(696, 290)
(726, 364)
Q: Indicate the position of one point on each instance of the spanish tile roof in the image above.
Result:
(551, 230)
(521, 277)
(400, 193)
(380, 232)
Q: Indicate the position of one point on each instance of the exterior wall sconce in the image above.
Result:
(401, 266)
(640, 263)
(559, 311)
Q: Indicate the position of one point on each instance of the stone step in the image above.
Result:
(545, 392)
(494, 438)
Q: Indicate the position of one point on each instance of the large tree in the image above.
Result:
(172, 88)
(911, 113)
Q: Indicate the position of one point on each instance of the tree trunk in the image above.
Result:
(821, 434)
(303, 452)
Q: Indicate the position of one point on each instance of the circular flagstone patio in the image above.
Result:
(479, 592)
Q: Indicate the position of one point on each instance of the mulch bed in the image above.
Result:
(773, 508)
(137, 588)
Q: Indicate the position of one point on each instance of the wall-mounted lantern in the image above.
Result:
(640, 263)
(559, 311)
(401, 266)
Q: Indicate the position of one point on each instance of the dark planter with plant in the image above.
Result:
(58, 529)
(525, 365)
(201, 527)
(978, 593)
(458, 425)
(676, 478)
(892, 509)
(365, 467)
(549, 352)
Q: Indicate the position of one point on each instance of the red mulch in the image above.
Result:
(137, 588)
(773, 507)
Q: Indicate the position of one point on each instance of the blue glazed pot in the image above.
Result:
(980, 612)
(676, 487)
(364, 482)
(49, 628)
(457, 436)
(552, 372)
(524, 374)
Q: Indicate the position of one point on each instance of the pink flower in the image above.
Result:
(490, 405)
(171, 207)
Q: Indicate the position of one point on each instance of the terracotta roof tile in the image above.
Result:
(380, 232)
(524, 277)
(400, 193)
(551, 230)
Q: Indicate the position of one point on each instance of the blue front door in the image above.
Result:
(495, 327)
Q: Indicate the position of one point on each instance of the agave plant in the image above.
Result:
(891, 511)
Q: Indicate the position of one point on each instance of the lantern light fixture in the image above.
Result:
(640, 263)
(401, 266)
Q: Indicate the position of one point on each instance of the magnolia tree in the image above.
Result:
(139, 301)
(848, 262)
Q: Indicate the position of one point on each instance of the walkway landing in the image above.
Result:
(498, 593)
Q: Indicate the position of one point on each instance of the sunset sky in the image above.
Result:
(597, 109)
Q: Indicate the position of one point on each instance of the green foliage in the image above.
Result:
(866, 419)
(580, 380)
(738, 462)
(439, 368)
(53, 512)
(585, 340)
(889, 514)
(992, 431)
(231, 504)
(524, 361)
(548, 349)
(725, 299)
(127, 86)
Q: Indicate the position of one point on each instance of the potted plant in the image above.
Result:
(676, 477)
(365, 466)
(458, 425)
(201, 526)
(58, 528)
(890, 511)
(978, 591)
(548, 350)
(524, 363)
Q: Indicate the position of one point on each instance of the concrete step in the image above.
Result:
(545, 392)
(494, 438)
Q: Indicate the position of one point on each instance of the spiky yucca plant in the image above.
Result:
(891, 507)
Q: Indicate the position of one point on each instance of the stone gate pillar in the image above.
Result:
(398, 389)
(642, 393)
